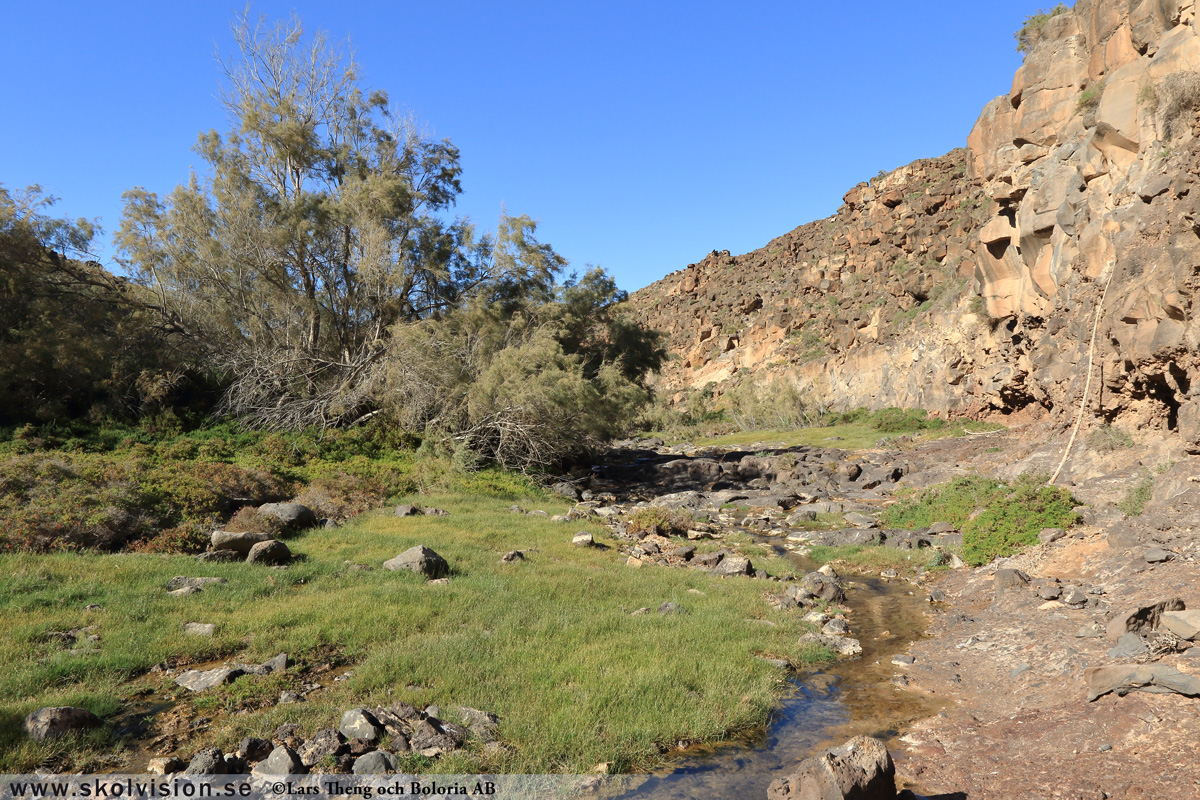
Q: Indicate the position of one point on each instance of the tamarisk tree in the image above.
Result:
(315, 231)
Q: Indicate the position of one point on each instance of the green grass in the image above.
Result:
(1029, 32)
(861, 432)
(871, 558)
(548, 644)
(1010, 515)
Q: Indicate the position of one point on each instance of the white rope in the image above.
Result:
(1088, 385)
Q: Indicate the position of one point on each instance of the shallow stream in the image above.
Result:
(846, 699)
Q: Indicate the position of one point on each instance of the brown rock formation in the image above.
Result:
(969, 282)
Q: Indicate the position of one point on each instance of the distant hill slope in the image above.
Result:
(968, 283)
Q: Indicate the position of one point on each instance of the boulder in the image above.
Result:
(824, 587)
(861, 769)
(419, 559)
(1009, 579)
(481, 723)
(733, 565)
(1184, 624)
(294, 516)
(564, 489)
(1125, 678)
(272, 553)
(377, 762)
(359, 723)
(238, 541)
(253, 748)
(165, 765)
(583, 539)
(326, 742)
(54, 721)
(283, 760)
(199, 628)
(209, 761)
(406, 510)
(1142, 618)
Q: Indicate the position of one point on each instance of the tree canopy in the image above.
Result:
(318, 235)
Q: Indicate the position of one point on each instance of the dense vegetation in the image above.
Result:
(996, 518)
(310, 278)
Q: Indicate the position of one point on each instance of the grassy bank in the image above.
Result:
(549, 644)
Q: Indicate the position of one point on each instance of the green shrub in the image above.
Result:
(900, 420)
(1010, 515)
(1089, 98)
(1028, 35)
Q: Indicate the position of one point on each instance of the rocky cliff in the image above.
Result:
(970, 283)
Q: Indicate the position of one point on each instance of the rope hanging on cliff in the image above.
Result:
(1088, 385)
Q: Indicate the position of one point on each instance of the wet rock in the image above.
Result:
(209, 761)
(419, 559)
(903, 660)
(583, 539)
(861, 769)
(283, 760)
(294, 516)
(824, 587)
(272, 553)
(202, 680)
(238, 541)
(183, 582)
(359, 723)
(1142, 618)
(54, 721)
(836, 627)
(842, 645)
(378, 762)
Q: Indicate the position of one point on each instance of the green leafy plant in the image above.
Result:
(995, 517)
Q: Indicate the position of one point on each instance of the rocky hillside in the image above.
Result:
(970, 283)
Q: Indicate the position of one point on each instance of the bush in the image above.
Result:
(1010, 515)
(663, 521)
(899, 420)
(1029, 33)
(779, 404)
(1176, 96)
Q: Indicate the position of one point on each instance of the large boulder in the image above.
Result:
(283, 760)
(54, 721)
(209, 761)
(733, 565)
(272, 553)
(419, 559)
(861, 769)
(359, 723)
(294, 516)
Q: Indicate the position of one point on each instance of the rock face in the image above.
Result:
(861, 769)
(55, 721)
(969, 282)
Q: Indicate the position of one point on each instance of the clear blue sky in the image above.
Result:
(640, 134)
